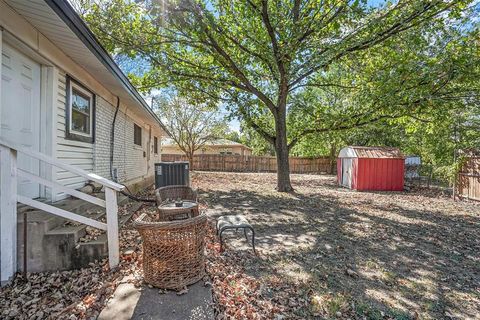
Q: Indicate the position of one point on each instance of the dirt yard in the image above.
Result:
(323, 253)
(328, 252)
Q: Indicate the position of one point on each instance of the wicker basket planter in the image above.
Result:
(173, 251)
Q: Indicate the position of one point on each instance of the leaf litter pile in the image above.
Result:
(74, 294)
(330, 253)
(323, 252)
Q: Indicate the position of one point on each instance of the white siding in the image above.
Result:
(79, 154)
(129, 160)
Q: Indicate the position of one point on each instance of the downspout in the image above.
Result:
(112, 141)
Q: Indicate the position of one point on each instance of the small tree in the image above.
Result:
(190, 126)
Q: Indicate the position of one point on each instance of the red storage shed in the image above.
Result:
(371, 168)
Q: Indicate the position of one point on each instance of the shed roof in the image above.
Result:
(371, 152)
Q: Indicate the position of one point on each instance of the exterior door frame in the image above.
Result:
(48, 120)
(47, 145)
(21, 98)
(48, 110)
(347, 167)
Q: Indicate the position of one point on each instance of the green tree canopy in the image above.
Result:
(264, 58)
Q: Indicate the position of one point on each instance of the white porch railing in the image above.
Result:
(9, 198)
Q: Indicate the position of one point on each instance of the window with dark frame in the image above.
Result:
(137, 135)
(80, 112)
(155, 145)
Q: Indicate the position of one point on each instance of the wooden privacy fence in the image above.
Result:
(468, 179)
(238, 163)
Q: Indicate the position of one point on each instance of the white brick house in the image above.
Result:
(72, 116)
(63, 58)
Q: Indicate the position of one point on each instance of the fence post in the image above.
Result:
(112, 227)
(8, 213)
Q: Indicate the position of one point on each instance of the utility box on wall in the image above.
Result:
(172, 174)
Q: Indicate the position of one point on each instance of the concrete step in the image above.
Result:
(97, 249)
(85, 209)
(76, 229)
(51, 240)
(51, 221)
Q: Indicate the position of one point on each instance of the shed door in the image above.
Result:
(347, 172)
(20, 121)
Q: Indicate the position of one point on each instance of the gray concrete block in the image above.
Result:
(147, 303)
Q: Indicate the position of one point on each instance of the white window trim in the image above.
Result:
(77, 87)
(71, 133)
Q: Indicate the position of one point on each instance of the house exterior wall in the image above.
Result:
(79, 154)
(132, 163)
(55, 65)
(129, 160)
(104, 118)
(234, 149)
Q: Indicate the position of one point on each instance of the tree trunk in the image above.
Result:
(281, 150)
(190, 159)
(333, 157)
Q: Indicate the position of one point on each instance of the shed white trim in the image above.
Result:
(347, 152)
(371, 152)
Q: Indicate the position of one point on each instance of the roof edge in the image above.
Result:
(78, 26)
(372, 152)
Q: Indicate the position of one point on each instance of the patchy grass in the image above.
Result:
(328, 252)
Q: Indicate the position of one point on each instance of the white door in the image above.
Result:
(20, 113)
(347, 172)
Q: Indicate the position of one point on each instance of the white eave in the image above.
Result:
(58, 21)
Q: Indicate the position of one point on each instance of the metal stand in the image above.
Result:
(222, 229)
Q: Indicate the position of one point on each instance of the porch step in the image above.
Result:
(73, 253)
(52, 221)
(53, 242)
(77, 229)
(98, 249)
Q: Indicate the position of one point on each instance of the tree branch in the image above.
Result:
(403, 25)
(230, 64)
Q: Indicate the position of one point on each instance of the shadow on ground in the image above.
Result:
(381, 255)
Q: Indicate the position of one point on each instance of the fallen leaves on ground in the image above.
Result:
(74, 294)
(240, 295)
(324, 252)
(332, 253)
